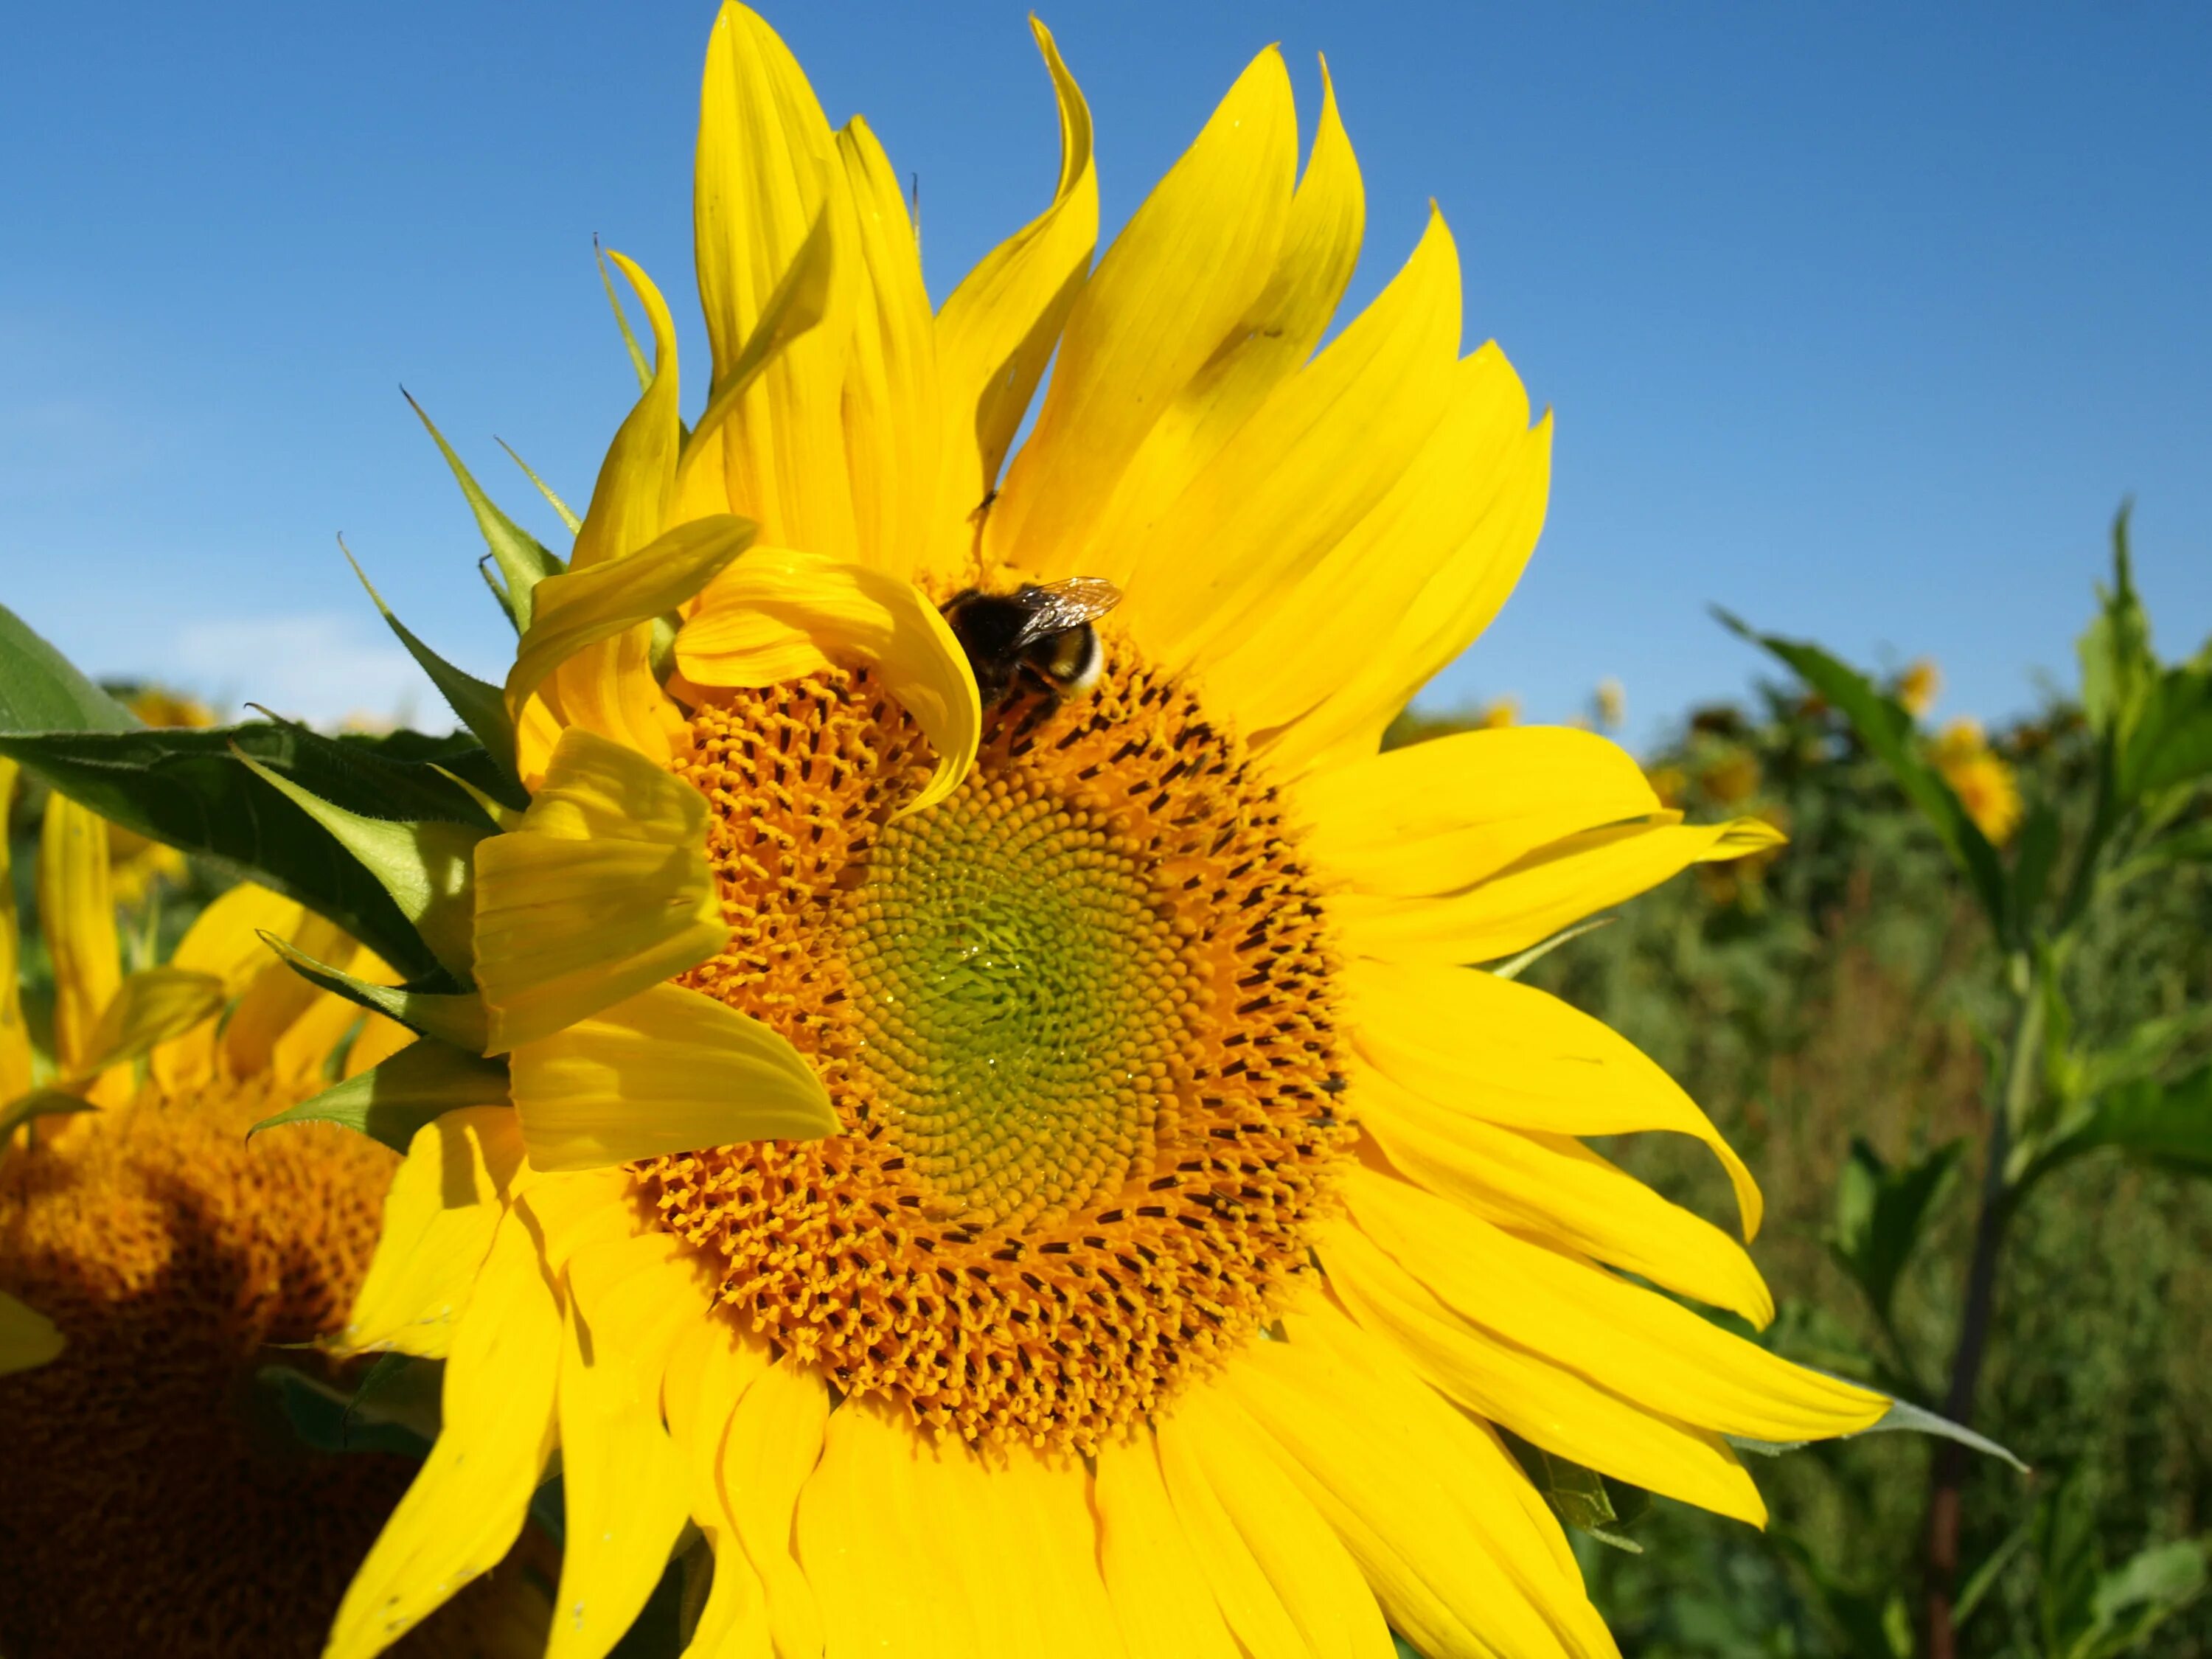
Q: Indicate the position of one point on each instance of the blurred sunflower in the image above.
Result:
(1981, 777)
(1919, 685)
(1027, 1172)
(153, 1504)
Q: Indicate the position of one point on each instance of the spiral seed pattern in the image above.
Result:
(1075, 1020)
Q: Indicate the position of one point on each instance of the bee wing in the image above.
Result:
(1055, 607)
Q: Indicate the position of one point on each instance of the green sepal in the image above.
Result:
(329, 1420)
(40, 1102)
(457, 1020)
(41, 691)
(562, 510)
(479, 705)
(523, 563)
(390, 1101)
(424, 866)
(637, 358)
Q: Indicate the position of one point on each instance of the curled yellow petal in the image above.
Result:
(15, 1034)
(604, 891)
(582, 607)
(151, 1007)
(845, 611)
(668, 1070)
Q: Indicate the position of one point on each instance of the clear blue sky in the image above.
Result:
(1859, 320)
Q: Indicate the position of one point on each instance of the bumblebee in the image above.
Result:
(1040, 634)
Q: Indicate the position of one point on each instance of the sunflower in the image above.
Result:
(1982, 779)
(1035, 1172)
(153, 1502)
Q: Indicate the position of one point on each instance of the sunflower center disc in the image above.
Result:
(1020, 992)
(1075, 1021)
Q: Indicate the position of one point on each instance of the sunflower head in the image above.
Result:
(154, 1499)
(1046, 1154)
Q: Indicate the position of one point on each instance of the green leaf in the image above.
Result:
(2118, 666)
(2035, 856)
(323, 1417)
(479, 705)
(2169, 1125)
(2171, 742)
(522, 563)
(2135, 1598)
(188, 789)
(389, 1103)
(423, 866)
(41, 691)
(458, 1020)
(1885, 727)
(1880, 1214)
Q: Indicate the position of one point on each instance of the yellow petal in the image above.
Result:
(1436, 816)
(1269, 346)
(893, 410)
(997, 329)
(27, 1337)
(1501, 1052)
(76, 915)
(1456, 1543)
(1299, 475)
(668, 1070)
(878, 1555)
(583, 608)
(1450, 608)
(851, 612)
(709, 1370)
(1627, 1339)
(1171, 289)
(1544, 1403)
(15, 1034)
(225, 940)
(1550, 887)
(1326, 630)
(767, 171)
(467, 1505)
(439, 1213)
(277, 997)
(623, 1484)
(606, 683)
(1161, 1598)
(1280, 1575)
(575, 1210)
(773, 1442)
(1554, 1185)
(604, 891)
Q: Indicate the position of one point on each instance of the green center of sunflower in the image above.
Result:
(1019, 991)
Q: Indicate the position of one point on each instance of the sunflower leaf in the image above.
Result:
(187, 788)
(389, 1103)
(41, 691)
(1885, 727)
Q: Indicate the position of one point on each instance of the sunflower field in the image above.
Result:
(944, 1063)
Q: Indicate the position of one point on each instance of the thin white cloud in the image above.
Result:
(322, 668)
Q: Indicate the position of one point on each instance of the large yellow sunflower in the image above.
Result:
(1035, 1173)
(153, 1500)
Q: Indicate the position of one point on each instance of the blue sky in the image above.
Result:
(1860, 320)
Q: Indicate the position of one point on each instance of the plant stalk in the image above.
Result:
(1947, 1471)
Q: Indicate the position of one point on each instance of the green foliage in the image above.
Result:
(40, 691)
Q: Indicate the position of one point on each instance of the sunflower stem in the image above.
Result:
(1947, 1473)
